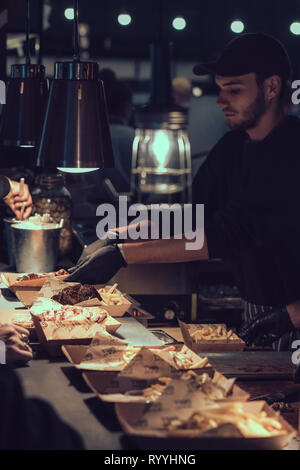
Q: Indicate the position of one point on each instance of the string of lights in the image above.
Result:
(179, 23)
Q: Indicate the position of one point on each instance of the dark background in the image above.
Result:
(207, 30)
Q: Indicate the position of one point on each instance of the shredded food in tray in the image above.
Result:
(68, 313)
(203, 382)
(184, 359)
(154, 392)
(210, 332)
(250, 425)
(111, 296)
(31, 276)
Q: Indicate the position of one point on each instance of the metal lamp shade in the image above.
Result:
(76, 131)
(26, 102)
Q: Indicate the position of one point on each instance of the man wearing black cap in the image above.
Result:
(255, 168)
(249, 185)
(256, 64)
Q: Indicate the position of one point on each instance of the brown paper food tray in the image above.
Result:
(26, 291)
(82, 366)
(128, 414)
(114, 310)
(10, 279)
(53, 346)
(74, 353)
(6, 316)
(26, 295)
(99, 381)
(211, 345)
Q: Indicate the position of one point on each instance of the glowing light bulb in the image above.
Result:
(197, 92)
(295, 28)
(124, 19)
(160, 147)
(179, 23)
(69, 13)
(237, 26)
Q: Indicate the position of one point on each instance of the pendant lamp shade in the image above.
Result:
(26, 102)
(76, 132)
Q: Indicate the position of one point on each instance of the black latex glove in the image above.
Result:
(264, 330)
(93, 247)
(99, 267)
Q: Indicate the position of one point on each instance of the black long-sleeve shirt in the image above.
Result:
(30, 424)
(251, 194)
(4, 187)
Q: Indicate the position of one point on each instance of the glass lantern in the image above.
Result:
(162, 157)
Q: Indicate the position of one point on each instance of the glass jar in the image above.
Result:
(50, 196)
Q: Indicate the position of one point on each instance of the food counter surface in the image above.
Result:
(63, 386)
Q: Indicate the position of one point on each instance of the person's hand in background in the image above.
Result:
(15, 339)
(19, 200)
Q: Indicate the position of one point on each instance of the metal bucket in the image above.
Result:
(35, 250)
(7, 224)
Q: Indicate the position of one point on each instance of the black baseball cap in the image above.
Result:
(251, 52)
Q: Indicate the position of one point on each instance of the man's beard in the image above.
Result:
(252, 114)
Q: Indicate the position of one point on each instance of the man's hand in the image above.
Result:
(15, 339)
(20, 201)
(116, 235)
(263, 330)
(100, 261)
(98, 267)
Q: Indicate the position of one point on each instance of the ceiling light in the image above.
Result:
(124, 19)
(69, 13)
(179, 23)
(237, 26)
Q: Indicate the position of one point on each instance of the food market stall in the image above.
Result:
(73, 385)
(149, 344)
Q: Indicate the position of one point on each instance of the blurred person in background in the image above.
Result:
(119, 106)
(182, 90)
(207, 123)
(15, 338)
